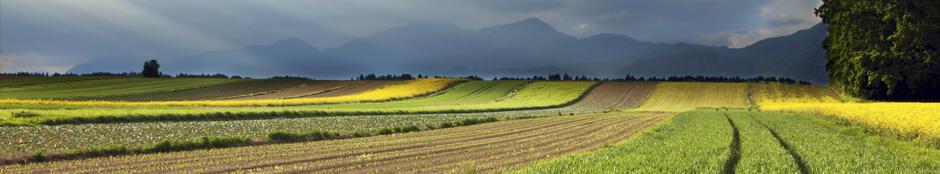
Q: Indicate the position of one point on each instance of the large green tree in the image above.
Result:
(883, 49)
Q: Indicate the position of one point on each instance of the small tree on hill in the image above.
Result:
(151, 69)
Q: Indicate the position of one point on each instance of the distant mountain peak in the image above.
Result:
(611, 37)
(293, 40)
(528, 24)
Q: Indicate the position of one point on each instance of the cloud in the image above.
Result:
(778, 18)
(31, 62)
(170, 28)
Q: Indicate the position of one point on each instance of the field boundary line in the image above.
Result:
(732, 161)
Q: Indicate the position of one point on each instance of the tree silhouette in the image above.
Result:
(151, 69)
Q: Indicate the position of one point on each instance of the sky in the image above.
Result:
(54, 35)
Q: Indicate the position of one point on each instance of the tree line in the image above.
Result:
(566, 77)
(879, 49)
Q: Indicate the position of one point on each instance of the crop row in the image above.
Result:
(489, 146)
(749, 142)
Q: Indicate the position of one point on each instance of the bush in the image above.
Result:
(385, 131)
(24, 114)
(39, 156)
(284, 136)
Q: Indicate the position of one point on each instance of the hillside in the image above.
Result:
(522, 48)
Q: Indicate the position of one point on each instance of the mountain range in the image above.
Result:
(523, 48)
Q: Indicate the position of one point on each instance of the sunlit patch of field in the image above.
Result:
(684, 96)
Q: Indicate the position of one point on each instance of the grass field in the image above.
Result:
(78, 89)
(684, 96)
(486, 147)
(749, 142)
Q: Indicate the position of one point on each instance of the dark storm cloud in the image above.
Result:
(88, 28)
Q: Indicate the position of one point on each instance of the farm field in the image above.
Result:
(483, 148)
(315, 89)
(391, 92)
(78, 89)
(529, 97)
(749, 142)
(224, 91)
(919, 122)
(43, 80)
(536, 121)
(617, 95)
(685, 96)
(768, 93)
(65, 138)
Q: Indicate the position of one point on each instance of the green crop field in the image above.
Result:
(45, 80)
(78, 89)
(684, 96)
(749, 142)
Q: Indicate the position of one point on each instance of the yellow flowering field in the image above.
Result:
(395, 91)
(919, 122)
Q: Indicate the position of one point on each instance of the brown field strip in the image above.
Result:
(319, 88)
(485, 147)
(357, 87)
(617, 95)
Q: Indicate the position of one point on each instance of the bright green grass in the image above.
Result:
(470, 99)
(107, 87)
(685, 96)
(767, 142)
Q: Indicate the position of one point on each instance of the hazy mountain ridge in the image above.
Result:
(526, 47)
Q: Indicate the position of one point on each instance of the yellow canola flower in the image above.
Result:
(919, 122)
(407, 89)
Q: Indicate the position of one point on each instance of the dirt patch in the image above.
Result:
(617, 95)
